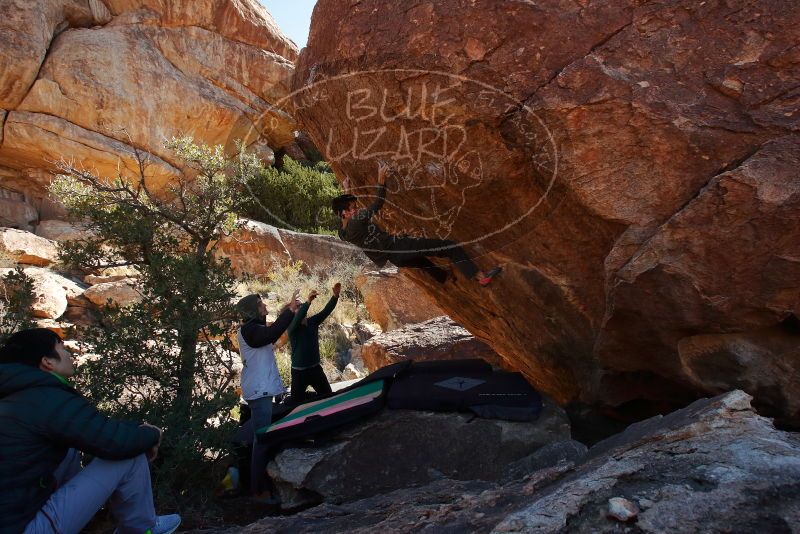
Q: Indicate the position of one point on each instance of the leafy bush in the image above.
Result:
(166, 359)
(296, 197)
(16, 301)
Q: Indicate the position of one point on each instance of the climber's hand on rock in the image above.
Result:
(382, 168)
(312, 295)
(337, 288)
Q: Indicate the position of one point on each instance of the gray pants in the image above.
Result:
(82, 492)
(261, 414)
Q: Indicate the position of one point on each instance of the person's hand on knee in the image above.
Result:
(152, 454)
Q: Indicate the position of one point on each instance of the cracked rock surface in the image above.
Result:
(715, 466)
(420, 447)
(633, 165)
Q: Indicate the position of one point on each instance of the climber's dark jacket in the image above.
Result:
(257, 334)
(41, 417)
(367, 235)
(304, 338)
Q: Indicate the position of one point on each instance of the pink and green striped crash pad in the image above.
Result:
(333, 409)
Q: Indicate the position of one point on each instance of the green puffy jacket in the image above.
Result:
(41, 417)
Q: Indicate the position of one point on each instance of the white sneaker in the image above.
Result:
(166, 524)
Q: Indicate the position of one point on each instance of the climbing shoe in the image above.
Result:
(486, 280)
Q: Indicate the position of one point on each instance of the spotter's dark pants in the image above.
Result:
(302, 378)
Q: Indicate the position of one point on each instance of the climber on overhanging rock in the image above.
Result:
(401, 250)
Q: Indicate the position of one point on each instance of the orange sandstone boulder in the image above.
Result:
(90, 81)
(393, 300)
(634, 166)
(437, 339)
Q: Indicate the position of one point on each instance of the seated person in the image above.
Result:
(304, 337)
(44, 422)
(358, 228)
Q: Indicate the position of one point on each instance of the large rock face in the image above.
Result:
(634, 166)
(15, 211)
(715, 466)
(89, 80)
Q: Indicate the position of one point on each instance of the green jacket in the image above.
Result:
(305, 337)
(41, 417)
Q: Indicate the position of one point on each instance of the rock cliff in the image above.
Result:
(634, 166)
(92, 80)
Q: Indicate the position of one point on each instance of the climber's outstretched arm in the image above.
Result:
(378, 203)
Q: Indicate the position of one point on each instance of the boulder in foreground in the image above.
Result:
(402, 448)
(52, 292)
(715, 466)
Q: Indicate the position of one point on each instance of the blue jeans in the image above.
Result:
(125, 484)
(261, 414)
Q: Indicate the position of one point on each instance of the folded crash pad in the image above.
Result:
(327, 413)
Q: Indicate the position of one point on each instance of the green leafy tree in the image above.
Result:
(295, 196)
(16, 302)
(166, 359)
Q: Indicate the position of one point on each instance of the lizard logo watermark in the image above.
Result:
(430, 129)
